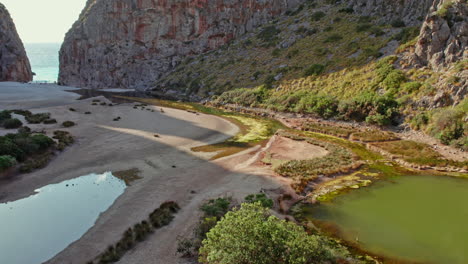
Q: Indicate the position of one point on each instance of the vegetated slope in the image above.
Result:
(130, 43)
(14, 64)
(346, 60)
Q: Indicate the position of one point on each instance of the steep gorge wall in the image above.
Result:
(129, 43)
(14, 64)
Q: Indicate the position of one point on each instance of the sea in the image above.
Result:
(44, 59)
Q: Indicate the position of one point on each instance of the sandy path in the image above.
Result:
(106, 145)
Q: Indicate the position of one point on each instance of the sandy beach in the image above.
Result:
(169, 170)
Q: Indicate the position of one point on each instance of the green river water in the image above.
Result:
(414, 218)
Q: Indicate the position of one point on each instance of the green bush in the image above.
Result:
(68, 124)
(407, 34)
(252, 235)
(419, 121)
(42, 141)
(8, 147)
(411, 87)
(6, 162)
(269, 34)
(12, 123)
(394, 80)
(314, 69)
(322, 105)
(37, 118)
(448, 125)
(37, 162)
(316, 16)
(216, 207)
(333, 38)
(375, 109)
(398, 23)
(50, 121)
(5, 114)
(261, 198)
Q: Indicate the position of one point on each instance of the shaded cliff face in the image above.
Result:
(14, 64)
(130, 43)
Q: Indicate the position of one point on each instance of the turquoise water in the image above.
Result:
(36, 228)
(44, 60)
(415, 218)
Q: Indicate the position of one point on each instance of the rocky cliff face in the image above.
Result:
(129, 43)
(14, 64)
(444, 35)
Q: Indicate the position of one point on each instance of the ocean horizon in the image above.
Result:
(44, 59)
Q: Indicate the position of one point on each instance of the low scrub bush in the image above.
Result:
(407, 34)
(138, 233)
(216, 207)
(317, 16)
(50, 121)
(12, 123)
(68, 124)
(314, 69)
(398, 23)
(64, 139)
(37, 118)
(6, 162)
(259, 198)
(33, 150)
(321, 105)
(5, 114)
(374, 109)
(35, 162)
(333, 38)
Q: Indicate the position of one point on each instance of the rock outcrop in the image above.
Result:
(412, 12)
(444, 35)
(14, 64)
(130, 43)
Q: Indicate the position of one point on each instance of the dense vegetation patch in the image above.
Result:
(447, 124)
(32, 151)
(250, 234)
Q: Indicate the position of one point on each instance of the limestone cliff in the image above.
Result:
(444, 35)
(129, 43)
(14, 64)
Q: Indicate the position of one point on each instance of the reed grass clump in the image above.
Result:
(139, 232)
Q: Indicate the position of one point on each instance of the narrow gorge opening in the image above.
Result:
(42, 27)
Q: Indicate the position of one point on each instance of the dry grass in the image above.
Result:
(418, 153)
(373, 136)
(339, 160)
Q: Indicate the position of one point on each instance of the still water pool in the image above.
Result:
(36, 228)
(414, 218)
